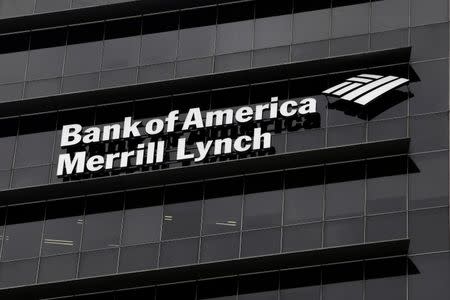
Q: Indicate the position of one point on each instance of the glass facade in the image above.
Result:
(245, 215)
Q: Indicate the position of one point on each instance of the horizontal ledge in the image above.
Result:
(98, 13)
(206, 82)
(214, 269)
(206, 171)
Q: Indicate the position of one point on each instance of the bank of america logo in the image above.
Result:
(365, 88)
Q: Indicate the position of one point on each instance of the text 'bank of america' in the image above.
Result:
(153, 152)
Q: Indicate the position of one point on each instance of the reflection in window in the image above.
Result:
(23, 231)
(263, 197)
(303, 195)
(182, 211)
(35, 142)
(103, 221)
(223, 205)
(62, 230)
(345, 187)
(142, 218)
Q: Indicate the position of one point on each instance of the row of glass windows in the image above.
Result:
(390, 279)
(119, 44)
(304, 196)
(49, 79)
(399, 11)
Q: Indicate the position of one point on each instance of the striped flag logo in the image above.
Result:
(365, 88)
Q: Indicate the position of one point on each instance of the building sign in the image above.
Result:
(365, 88)
(153, 152)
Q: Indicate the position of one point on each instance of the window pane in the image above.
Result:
(23, 231)
(182, 211)
(428, 230)
(343, 281)
(62, 230)
(428, 180)
(234, 37)
(386, 227)
(96, 263)
(386, 279)
(389, 14)
(386, 184)
(220, 247)
(218, 289)
(304, 195)
(223, 206)
(312, 26)
(350, 19)
(430, 11)
(300, 284)
(35, 142)
(16, 7)
(273, 31)
(143, 257)
(15, 273)
(178, 253)
(58, 268)
(345, 187)
(421, 126)
(263, 200)
(259, 287)
(261, 242)
(344, 232)
(7, 142)
(143, 215)
(302, 237)
(103, 221)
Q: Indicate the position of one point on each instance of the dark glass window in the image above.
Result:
(16, 7)
(424, 222)
(143, 215)
(103, 221)
(15, 273)
(426, 12)
(63, 224)
(261, 242)
(160, 38)
(345, 187)
(420, 128)
(178, 253)
(182, 211)
(304, 195)
(421, 37)
(58, 268)
(97, 263)
(259, 287)
(7, 142)
(220, 289)
(386, 184)
(85, 49)
(344, 232)
(350, 19)
(343, 281)
(121, 48)
(433, 275)
(386, 227)
(135, 258)
(263, 200)
(223, 206)
(220, 247)
(185, 291)
(302, 237)
(386, 279)
(389, 14)
(47, 54)
(428, 180)
(23, 231)
(36, 139)
(300, 284)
